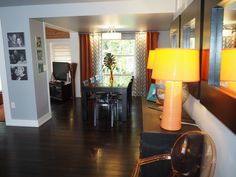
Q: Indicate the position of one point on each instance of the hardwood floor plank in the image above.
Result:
(68, 146)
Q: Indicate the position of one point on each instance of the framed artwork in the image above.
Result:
(17, 57)
(39, 55)
(16, 39)
(19, 73)
(40, 67)
(152, 95)
(38, 41)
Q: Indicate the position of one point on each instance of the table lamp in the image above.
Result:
(228, 68)
(175, 65)
(150, 64)
(151, 58)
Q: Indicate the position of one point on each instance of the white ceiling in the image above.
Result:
(5, 3)
(130, 22)
(123, 22)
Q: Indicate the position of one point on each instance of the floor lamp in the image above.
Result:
(175, 65)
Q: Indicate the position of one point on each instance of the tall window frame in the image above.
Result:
(124, 51)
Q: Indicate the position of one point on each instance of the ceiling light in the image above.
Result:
(111, 34)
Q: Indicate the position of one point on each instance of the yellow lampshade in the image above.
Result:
(175, 64)
(228, 65)
(151, 58)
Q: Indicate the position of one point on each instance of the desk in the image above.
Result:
(105, 87)
(155, 140)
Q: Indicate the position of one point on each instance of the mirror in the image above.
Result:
(173, 38)
(189, 34)
(174, 33)
(215, 96)
(228, 62)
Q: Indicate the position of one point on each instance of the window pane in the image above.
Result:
(125, 65)
(61, 52)
(124, 51)
(118, 47)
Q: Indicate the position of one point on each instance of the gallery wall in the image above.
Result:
(39, 68)
(22, 105)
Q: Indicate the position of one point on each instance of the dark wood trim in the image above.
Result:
(56, 34)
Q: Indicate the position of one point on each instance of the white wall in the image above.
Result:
(224, 139)
(164, 39)
(40, 78)
(75, 58)
(27, 110)
(180, 6)
(0, 83)
(21, 93)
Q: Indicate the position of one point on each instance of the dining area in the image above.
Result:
(106, 97)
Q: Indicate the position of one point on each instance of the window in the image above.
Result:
(60, 50)
(124, 51)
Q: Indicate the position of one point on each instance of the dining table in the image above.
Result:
(107, 87)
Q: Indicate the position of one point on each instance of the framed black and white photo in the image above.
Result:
(17, 57)
(39, 55)
(38, 42)
(19, 73)
(40, 67)
(16, 39)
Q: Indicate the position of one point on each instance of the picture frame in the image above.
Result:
(17, 56)
(152, 95)
(39, 55)
(38, 42)
(40, 67)
(16, 39)
(19, 73)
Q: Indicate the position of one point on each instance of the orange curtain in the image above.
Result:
(86, 57)
(152, 43)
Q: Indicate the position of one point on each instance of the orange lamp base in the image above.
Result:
(172, 111)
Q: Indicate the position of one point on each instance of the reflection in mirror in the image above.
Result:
(173, 38)
(228, 57)
(189, 34)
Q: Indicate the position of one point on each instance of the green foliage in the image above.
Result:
(124, 52)
(109, 61)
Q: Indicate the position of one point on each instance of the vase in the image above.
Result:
(111, 76)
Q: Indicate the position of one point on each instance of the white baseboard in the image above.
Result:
(29, 123)
(44, 118)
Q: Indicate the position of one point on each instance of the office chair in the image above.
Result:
(193, 155)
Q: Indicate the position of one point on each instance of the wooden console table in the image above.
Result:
(155, 140)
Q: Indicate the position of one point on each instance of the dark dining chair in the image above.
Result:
(129, 94)
(108, 101)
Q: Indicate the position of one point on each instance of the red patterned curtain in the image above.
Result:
(86, 57)
(152, 43)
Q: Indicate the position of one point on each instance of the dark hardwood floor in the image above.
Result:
(67, 146)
